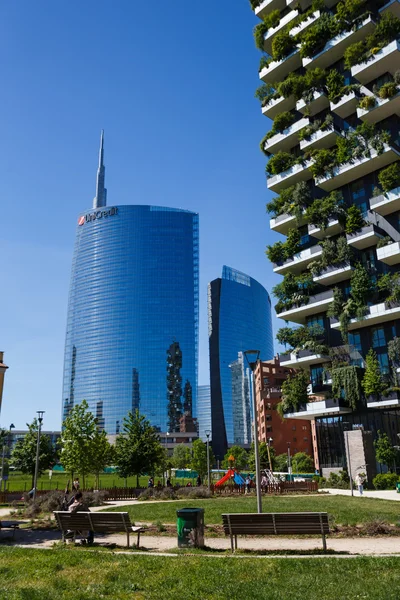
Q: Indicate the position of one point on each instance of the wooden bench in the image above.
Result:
(310, 523)
(98, 522)
(9, 525)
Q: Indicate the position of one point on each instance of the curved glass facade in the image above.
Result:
(132, 325)
(239, 314)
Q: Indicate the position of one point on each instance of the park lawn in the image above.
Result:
(23, 483)
(65, 574)
(344, 510)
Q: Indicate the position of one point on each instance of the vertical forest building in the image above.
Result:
(330, 89)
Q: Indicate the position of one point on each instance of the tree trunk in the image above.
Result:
(137, 480)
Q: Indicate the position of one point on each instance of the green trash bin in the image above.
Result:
(190, 527)
(398, 487)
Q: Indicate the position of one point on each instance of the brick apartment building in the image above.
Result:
(269, 376)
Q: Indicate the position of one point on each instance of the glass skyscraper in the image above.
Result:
(239, 317)
(204, 410)
(132, 325)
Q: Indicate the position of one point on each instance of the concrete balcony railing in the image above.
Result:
(334, 274)
(317, 304)
(377, 314)
(324, 138)
(271, 33)
(367, 236)
(334, 49)
(282, 223)
(333, 228)
(278, 105)
(278, 70)
(268, 6)
(329, 407)
(387, 203)
(382, 109)
(289, 177)
(346, 105)
(302, 359)
(319, 102)
(305, 24)
(348, 172)
(299, 261)
(288, 139)
(391, 7)
(386, 60)
(390, 254)
(384, 401)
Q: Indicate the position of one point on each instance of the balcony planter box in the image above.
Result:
(298, 313)
(271, 33)
(268, 6)
(365, 237)
(320, 408)
(279, 69)
(386, 60)
(318, 103)
(278, 105)
(299, 261)
(384, 108)
(289, 177)
(334, 274)
(389, 254)
(391, 399)
(386, 203)
(287, 139)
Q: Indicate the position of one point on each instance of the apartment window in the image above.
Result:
(384, 363)
(316, 320)
(378, 337)
(305, 439)
(304, 427)
(269, 428)
(295, 439)
(359, 196)
(317, 375)
(294, 428)
(268, 417)
(355, 340)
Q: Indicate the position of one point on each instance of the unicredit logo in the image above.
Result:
(98, 214)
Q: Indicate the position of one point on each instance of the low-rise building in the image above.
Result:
(293, 433)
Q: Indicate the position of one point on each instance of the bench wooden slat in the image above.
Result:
(275, 524)
(98, 522)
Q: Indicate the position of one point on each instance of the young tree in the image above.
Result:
(23, 457)
(102, 454)
(138, 449)
(181, 457)
(264, 460)
(80, 441)
(199, 457)
(302, 463)
(384, 451)
(372, 383)
(281, 463)
(241, 458)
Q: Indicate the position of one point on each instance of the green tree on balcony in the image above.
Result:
(373, 383)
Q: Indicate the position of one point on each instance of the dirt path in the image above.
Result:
(29, 538)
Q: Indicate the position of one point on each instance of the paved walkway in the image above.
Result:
(381, 494)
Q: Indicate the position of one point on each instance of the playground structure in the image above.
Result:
(233, 477)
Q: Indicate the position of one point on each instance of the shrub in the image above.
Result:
(367, 102)
(385, 481)
(282, 45)
(282, 121)
(386, 30)
(280, 162)
(265, 61)
(276, 253)
(324, 162)
(193, 492)
(388, 90)
(389, 178)
(382, 242)
(355, 54)
(316, 36)
(334, 84)
(155, 494)
(354, 220)
(265, 93)
(294, 85)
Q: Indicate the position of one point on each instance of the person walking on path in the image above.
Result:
(360, 479)
(198, 481)
(248, 484)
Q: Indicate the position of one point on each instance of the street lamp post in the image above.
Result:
(270, 440)
(40, 421)
(208, 433)
(253, 364)
(166, 456)
(288, 462)
(12, 426)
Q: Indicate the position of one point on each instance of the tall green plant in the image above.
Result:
(294, 392)
(346, 385)
(373, 383)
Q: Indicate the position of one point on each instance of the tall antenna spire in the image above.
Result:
(101, 193)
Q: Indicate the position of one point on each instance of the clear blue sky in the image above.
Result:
(172, 84)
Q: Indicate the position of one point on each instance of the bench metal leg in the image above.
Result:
(324, 542)
(127, 539)
(235, 542)
(232, 548)
(138, 539)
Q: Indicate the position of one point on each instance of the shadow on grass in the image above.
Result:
(247, 552)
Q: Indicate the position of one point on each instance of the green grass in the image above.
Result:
(344, 509)
(20, 483)
(65, 574)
